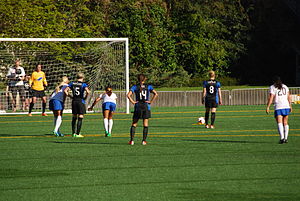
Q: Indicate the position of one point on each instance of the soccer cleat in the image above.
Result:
(212, 126)
(44, 114)
(131, 142)
(286, 141)
(207, 126)
(56, 134)
(29, 114)
(60, 134)
(77, 135)
(144, 142)
(107, 134)
(281, 141)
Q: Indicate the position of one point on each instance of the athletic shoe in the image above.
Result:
(286, 141)
(144, 143)
(77, 135)
(56, 134)
(29, 114)
(107, 134)
(281, 141)
(206, 126)
(44, 114)
(212, 126)
(60, 134)
(131, 142)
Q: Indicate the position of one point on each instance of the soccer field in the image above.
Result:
(240, 160)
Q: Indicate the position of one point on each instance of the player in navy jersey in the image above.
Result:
(211, 97)
(141, 106)
(80, 92)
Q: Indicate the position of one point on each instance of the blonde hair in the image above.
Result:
(64, 80)
(211, 74)
(80, 75)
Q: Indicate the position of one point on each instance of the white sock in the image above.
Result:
(54, 121)
(280, 130)
(105, 121)
(110, 125)
(58, 123)
(286, 132)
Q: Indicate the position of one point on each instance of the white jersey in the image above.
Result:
(60, 95)
(14, 74)
(112, 98)
(280, 97)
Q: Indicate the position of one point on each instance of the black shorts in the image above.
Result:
(78, 107)
(38, 94)
(141, 111)
(15, 89)
(211, 103)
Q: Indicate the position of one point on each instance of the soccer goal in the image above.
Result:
(104, 61)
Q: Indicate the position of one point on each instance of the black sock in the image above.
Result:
(145, 133)
(206, 117)
(132, 132)
(31, 107)
(43, 107)
(79, 123)
(73, 124)
(213, 117)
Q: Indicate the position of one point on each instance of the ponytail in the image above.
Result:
(277, 82)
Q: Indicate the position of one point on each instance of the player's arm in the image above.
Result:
(203, 95)
(87, 92)
(290, 101)
(31, 80)
(129, 96)
(153, 97)
(94, 103)
(270, 100)
(220, 96)
(44, 80)
(66, 91)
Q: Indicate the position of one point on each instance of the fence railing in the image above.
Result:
(178, 98)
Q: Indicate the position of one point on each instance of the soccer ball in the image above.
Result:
(201, 120)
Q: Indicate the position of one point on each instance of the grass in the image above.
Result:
(239, 160)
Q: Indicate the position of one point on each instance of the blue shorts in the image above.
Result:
(282, 112)
(56, 105)
(109, 106)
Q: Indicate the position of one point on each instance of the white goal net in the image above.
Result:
(104, 61)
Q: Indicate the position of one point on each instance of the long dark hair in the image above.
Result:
(141, 78)
(277, 82)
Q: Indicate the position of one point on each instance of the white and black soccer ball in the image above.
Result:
(201, 120)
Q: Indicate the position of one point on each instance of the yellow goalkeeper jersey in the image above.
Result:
(38, 80)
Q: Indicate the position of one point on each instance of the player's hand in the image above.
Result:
(148, 102)
(267, 110)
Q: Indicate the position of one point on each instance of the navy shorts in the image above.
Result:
(78, 107)
(38, 94)
(211, 103)
(56, 105)
(141, 111)
(109, 106)
(282, 112)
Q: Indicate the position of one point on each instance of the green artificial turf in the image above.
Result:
(240, 160)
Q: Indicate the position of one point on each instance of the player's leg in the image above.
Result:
(14, 92)
(145, 131)
(207, 110)
(44, 101)
(79, 124)
(33, 101)
(74, 120)
(213, 117)
(22, 96)
(132, 130)
(286, 128)
(58, 121)
(279, 120)
(105, 121)
(110, 122)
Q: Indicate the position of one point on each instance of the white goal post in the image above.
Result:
(104, 61)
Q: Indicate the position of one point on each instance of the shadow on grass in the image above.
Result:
(224, 141)
(74, 142)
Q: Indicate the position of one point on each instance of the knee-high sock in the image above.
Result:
(110, 125)
(54, 121)
(280, 130)
(74, 119)
(43, 107)
(206, 117)
(132, 133)
(145, 133)
(31, 107)
(105, 123)
(57, 123)
(213, 117)
(286, 131)
(79, 124)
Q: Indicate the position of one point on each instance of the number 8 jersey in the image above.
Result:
(281, 97)
(212, 87)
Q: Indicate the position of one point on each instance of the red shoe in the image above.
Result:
(44, 114)
(131, 142)
(144, 143)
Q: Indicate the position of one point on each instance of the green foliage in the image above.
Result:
(170, 41)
